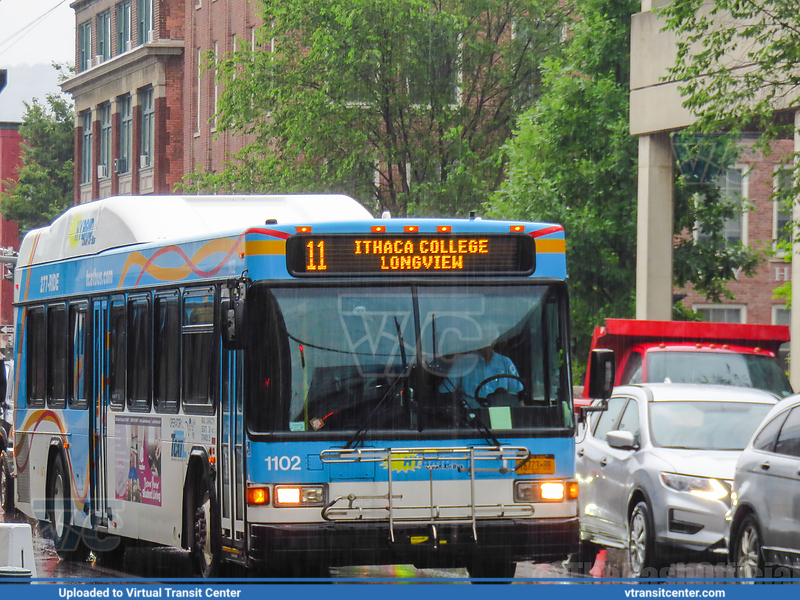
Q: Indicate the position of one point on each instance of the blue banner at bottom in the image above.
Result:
(70, 589)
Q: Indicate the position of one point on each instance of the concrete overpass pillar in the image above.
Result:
(794, 343)
(654, 229)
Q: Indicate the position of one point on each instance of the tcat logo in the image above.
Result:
(81, 232)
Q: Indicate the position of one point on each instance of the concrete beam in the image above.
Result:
(654, 228)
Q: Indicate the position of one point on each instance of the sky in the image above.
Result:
(35, 33)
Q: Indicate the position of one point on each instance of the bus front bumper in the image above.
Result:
(339, 544)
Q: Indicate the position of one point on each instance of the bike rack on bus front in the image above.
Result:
(355, 508)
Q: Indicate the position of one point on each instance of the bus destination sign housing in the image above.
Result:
(386, 254)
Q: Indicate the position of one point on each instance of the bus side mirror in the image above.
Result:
(232, 326)
(602, 373)
(232, 317)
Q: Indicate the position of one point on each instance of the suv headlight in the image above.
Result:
(702, 487)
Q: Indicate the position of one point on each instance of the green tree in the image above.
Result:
(404, 104)
(573, 161)
(45, 185)
(756, 91)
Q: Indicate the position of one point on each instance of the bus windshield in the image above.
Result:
(409, 359)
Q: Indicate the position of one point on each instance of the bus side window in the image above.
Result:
(78, 335)
(57, 356)
(36, 357)
(167, 353)
(117, 353)
(139, 353)
(200, 352)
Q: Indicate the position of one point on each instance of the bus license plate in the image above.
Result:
(538, 464)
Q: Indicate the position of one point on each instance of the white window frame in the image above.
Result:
(776, 309)
(776, 208)
(742, 308)
(745, 170)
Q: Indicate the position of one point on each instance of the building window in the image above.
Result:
(782, 209)
(199, 88)
(105, 140)
(104, 36)
(781, 315)
(732, 190)
(216, 85)
(434, 80)
(721, 313)
(85, 46)
(125, 134)
(146, 21)
(124, 39)
(86, 151)
(148, 128)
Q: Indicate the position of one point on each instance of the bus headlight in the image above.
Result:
(299, 495)
(545, 491)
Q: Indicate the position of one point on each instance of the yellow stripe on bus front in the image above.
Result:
(254, 248)
(551, 246)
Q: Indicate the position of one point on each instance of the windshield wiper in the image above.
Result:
(478, 423)
(389, 393)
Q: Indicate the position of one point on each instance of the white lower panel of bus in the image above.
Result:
(417, 502)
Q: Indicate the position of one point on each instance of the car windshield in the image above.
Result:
(408, 359)
(705, 425)
(724, 368)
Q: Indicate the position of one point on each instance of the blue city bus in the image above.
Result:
(287, 384)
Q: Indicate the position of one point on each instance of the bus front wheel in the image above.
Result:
(206, 545)
(66, 538)
(492, 567)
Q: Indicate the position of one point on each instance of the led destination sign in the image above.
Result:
(403, 254)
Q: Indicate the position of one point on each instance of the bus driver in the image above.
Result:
(469, 370)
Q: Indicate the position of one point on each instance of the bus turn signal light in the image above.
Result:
(258, 495)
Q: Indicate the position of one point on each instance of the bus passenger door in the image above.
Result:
(231, 452)
(98, 427)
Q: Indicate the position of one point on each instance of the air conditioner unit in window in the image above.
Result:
(150, 36)
(144, 161)
(119, 165)
(98, 60)
(102, 171)
(128, 45)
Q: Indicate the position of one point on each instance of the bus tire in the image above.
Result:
(6, 486)
(205, 542)
(66, 538)
(492, 567)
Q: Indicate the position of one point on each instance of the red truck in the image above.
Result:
(694, 352)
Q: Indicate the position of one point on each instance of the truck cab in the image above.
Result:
(695, 352)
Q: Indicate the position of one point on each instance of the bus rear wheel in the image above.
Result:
(205, 535)
(66, 538)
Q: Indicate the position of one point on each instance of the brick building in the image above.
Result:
(10, 163)
(144, 100)
(213, 28)
(128, 94)
(657, 112)
(752, 180)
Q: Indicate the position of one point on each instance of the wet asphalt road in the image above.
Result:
(158, 562)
